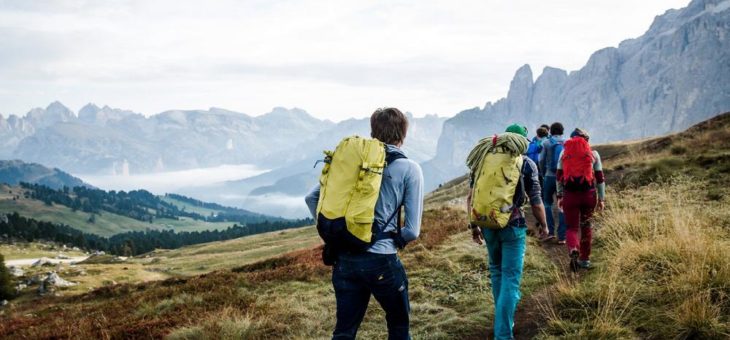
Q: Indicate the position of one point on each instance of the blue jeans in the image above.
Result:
(357, 276)
(549, 189)
(506, 248)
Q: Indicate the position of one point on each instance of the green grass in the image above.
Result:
(26, 250)
(106, 224)
(193, 260)
(189, 207)
(281, 297)
(660, 250)
(661, 271)
(206, 257)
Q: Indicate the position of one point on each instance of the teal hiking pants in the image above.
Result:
(506, 248)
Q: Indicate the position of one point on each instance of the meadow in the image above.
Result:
(661, 270)
(106, 224)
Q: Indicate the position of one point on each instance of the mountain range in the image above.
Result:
(100, 140)
(673, 76)
(669, 78)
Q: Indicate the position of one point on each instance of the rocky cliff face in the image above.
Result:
(666, 80)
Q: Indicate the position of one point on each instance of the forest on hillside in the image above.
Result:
(140, 205)
(16, 227)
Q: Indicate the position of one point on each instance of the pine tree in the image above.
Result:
(6, 285)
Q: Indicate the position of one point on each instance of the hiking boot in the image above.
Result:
(585, 264)
(574, 261)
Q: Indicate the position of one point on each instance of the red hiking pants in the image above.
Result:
(578, 209)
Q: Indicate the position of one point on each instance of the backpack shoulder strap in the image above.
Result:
(381, 235)
(391, 157)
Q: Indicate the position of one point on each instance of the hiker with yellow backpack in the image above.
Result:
(502, 179)
(357, 206)
(581, 188)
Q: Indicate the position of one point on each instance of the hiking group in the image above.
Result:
(367, 183)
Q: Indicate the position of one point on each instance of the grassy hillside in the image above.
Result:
(660, 250)
(23, 250)
(283, 297)
(109, 270)
(15, 171)
(206, 257)
(189, 207)
(107, 224)
(661, 270)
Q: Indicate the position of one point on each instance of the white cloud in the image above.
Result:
(172, 181)
(337, 59)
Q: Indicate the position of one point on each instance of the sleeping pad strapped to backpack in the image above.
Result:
(496, 165)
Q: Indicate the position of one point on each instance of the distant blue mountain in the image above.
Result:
(15, 171)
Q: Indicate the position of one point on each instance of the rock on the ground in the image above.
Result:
(16, 271)
(52, 281)
(57, 281)
(43, 261)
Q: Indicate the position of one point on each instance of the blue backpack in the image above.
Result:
(534, 149)
(557, 149)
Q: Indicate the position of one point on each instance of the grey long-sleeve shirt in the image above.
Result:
(402, 182)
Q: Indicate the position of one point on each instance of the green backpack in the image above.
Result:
(496, 168)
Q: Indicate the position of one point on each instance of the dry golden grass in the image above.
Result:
(285, 297)
(663, 269)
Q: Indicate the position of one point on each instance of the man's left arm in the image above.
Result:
(534, 192)
(413, 203)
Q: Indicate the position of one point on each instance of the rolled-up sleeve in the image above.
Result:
(312, 199)
(413, 203)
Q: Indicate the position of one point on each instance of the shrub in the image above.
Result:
(6, 284)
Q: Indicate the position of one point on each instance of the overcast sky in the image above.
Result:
(335, 59)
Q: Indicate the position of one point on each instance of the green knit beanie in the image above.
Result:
(518, 129)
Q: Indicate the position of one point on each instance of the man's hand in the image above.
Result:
(476, 235)
(601, 205)
(560, 203)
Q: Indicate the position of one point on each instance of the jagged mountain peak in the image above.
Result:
(57, 105)
(294, 116)
(55, 112)
(669, 78)
(283, 112)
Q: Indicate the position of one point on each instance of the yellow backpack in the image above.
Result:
(349, 189)
(497, 165)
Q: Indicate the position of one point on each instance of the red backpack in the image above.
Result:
(577, 161)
